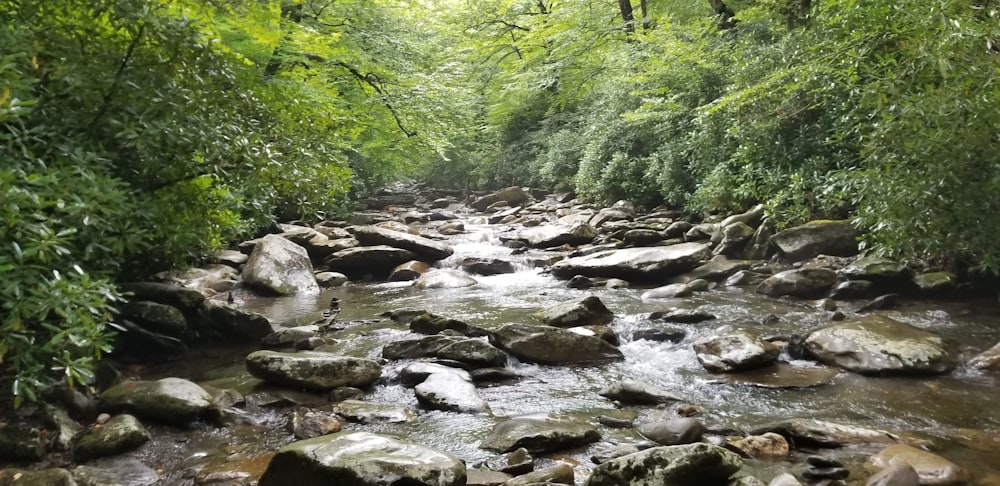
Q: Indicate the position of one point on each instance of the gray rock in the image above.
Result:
(634, 392)
(372, 261)
(589, 311)
(782, 376)
(932, 469)
(613, 452)
(234, 323)
(669, 291)
(561, 473)
(800, 282)
(876, 269)
(716, 270)
(115, 471)
(895, 475)
(551, 345)
(485, 477)
(642, 237)
(557, 235)
(647, 264)
(809, 432)
(684, 316)
(361, 458)
(768, 445)
(426, 323)
(40, 477)
(784, 479)
(734, 351)
(410, 270)
(330, 279)
(752, 217)
(182, 298)
(745, 481)
(660, 334)
(312, 370)
(837, 238)
(425, 248)
(987, 360)
(154, 317)
(676, 431)
(681, 465)
(487, 266)
(475, 353)
(936, 282)
(280, 266)
(759, 246)
(121, 434)
(287, 336)
(416, 373)
(444, 279)
(417, 348)
(734, 238)
(511, 195)
(879, 345)
(20, 443)
(677, 229)
(306, 424)
(606, 215)
(451, 392)
(373, 413)
(539, 433)
(169, 400)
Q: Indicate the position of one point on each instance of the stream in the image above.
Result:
(954, 414)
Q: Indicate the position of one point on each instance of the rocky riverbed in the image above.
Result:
(523, 338)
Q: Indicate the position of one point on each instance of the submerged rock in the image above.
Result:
(932, 469)
(552, 345)
(539, 433)
(734, 351)
(879, 345)
(312, 370)
(361, 458)
(634, 392)
(680, 465)
(280, 266)
(444, 279)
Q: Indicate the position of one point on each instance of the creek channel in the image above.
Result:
(954, 414)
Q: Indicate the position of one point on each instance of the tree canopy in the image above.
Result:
(138, 135)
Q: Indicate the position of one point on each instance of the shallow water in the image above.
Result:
(956, 412)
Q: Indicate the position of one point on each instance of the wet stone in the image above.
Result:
(372, 413)
(634, 392)
(683, 430)
(122, 433)
(539, 433)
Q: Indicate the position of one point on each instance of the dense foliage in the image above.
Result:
(137, 135)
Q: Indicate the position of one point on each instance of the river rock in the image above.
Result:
(170, 400)
(154, 317)
(142, 345)
(769, 445)
(312, 370)
(933, 283)
(987, 360)
(306, 424)
(417, 348)
(287, 336)
(410, 270)
(40, 477)
(669, 291)
(487, 266)
(879, 345)
(607, 215)
(680, 465)
(932, 469)
(451, 392)
(837, 238)
(552, 345)
(684, 316)
(716, 270)
(475, 353)
(589, 311)
(234, 323)
(539, 433)
(752, 217)
(373, 413)
(281, 267)
(444, 279)
(810, 432)
(121, 434)
(648, 264)
(426, 323)
(115, 471)
(485, 477)
(642, 237)
(734, 351)
(550, 235)
(21, 443)
(511, 195)
(374, 261)
(424, 247)
(182, 298)
(734, 238)
(417, 372)
(561, 473)
(660, 334)
(361, 458)
(895, 475)
(877, 269)
(675, 431)
(800, 282)
(782, 376)
(784, 479)
(632, 392)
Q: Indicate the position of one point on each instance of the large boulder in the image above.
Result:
(734, 351)
(550, 235)
(679, 465)
(155, 317)
(589, 311)
(648, 264)
(932, 469)
(312, 370)
(233, 323)
(474, 353)
(374, 261)
(121, 434)
(425, 248)
(450, 390)
(169, 400)
(362, 459)
(281, 267)
(182, 298)
(511, 195)
(837, 238)
(879, 345)
(876, 269)
(552, 345)
(800, 282)
(539, 433)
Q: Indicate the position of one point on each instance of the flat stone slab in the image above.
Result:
(781, 375)
(539, 433)
(647, 264)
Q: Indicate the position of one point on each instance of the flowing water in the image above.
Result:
(955, 414)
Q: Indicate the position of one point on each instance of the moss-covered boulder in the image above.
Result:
(539, 433)
(170, 400)
(312, 370)
(680, 465)
(880, 345)
(122, 433)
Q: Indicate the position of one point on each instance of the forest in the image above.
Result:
(140, 135)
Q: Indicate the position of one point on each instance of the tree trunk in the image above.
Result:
(725, 13)
(627, 17)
